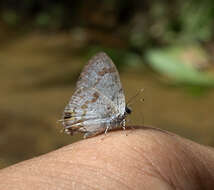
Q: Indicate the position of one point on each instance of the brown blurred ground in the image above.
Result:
(37, 77)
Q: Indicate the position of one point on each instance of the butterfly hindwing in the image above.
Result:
(88, 107)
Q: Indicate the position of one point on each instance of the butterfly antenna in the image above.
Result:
(131, 100)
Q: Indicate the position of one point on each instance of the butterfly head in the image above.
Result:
(128, 110)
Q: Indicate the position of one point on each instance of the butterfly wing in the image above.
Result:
(100, 73)
(88, 111)
(98, 100)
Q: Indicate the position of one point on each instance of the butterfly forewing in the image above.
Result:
(101, 74)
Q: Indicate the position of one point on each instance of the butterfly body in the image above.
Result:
(98, 103)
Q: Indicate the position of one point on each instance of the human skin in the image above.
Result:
(143, 158)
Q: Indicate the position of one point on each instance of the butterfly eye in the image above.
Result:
(128, 110)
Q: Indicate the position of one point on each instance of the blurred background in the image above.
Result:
(165, 47)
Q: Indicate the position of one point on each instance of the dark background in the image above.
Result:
(164, 47)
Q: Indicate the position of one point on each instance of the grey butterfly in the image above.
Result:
(98, 103)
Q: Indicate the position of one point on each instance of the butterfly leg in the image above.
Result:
(123, 124)
(107, 128)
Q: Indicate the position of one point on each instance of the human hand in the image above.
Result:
(143, 159)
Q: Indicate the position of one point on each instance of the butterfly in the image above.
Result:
(98, 103)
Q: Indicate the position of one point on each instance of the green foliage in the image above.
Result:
(43, 19)
(171, 63)
(10, 17)
(51, 18)
(197, 20)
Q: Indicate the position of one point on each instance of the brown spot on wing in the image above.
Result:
(106, 70)
(95, 97)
